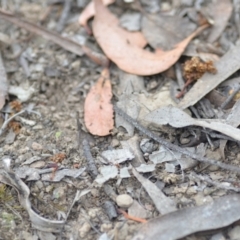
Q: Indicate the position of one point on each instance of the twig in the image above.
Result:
(127, 216)
(172, 146)
(65, 12)
(91, 167)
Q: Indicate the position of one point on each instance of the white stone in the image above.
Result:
(124, 201)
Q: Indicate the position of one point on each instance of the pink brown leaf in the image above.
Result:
(98, 110)
(123, 51)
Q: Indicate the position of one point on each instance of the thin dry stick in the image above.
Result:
(91, 167)
(56, 38)
(172, 146)
(64, 16)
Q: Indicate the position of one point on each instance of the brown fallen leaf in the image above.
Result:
(89, 12)
(135, 38)
(98, 110)
(125, 53)
(56, 38)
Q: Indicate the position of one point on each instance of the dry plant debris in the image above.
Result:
(193, 69)
(58, 158)
(16, 105)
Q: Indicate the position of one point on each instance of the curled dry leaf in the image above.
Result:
(89, 12)
(38, 222)
(123, 51)
(98, 110)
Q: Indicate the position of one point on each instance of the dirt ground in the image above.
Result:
(57, 82)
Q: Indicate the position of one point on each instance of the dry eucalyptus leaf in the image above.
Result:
(89, 12)
(104, 26)
(38, 222)
(165, 32)
(117, 156)
(60, 174)
(107, 172)
(175, 225)
(125, 53)
(98, 110)
(221, 11)
(178, 118)
(163, 204)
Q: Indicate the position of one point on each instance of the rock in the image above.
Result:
(218, 236)
(36, 146)
(147, 145)
(59, 192)
(234, 233)
(105, 227)
(115, 143)
(83, 231)
(124, 201)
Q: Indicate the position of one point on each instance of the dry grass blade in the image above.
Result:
(125, 53)
(3, 83)
(98, 110)
(56, 38)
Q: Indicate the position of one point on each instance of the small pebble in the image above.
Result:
(234, 233)
(124, 201)
(49, 188)
(115, 143)
(218, 236)
(36, 146)
(93, 212)
(105, 227)
(83, 231)
(39, 184)
(147, 146)
(95, 192)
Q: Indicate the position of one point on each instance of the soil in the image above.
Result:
(61, 81)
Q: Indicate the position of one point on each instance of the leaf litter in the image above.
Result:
(171, 165)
